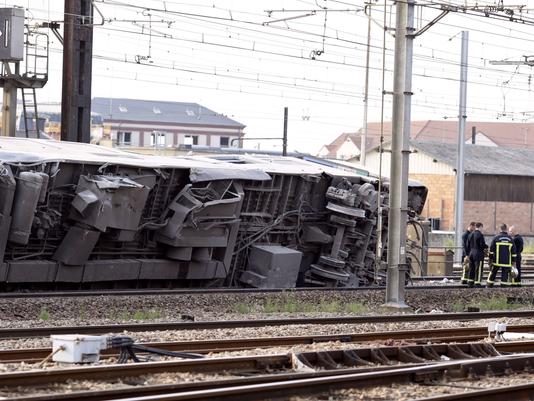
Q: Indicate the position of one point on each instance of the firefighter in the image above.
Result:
(476, 246)
(519, 243)
(465, 255)
(502, 255)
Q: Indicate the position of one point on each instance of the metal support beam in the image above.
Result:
(284, 143)
(9, 110)
(77, 66)
(400, 152)
(363, 143)
(459, 210)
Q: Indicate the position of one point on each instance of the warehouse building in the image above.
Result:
(499, 183)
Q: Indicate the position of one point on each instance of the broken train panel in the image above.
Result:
(76, 216)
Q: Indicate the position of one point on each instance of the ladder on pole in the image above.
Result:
(29, 110)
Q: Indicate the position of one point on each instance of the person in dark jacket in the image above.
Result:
(502, 255)
(519, 243)
(476, 246)
(465, 255)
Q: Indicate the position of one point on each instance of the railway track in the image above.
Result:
(275, 373)
(325, 384)
(226, 324)
(522, 392)
(204, 291)
(461, 334)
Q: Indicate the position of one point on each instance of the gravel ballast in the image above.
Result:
(34, 312)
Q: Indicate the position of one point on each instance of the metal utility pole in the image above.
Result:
(363, 143)
(9, 109)
(461, 140)
(284, 138)
(400, 152)
(77, 66)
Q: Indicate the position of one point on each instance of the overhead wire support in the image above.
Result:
(462, 117)
(527, 60)
(397, 268)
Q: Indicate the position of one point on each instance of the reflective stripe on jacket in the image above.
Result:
(502, 250)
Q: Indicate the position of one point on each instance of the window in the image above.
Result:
(123, 109)
(157, 139)
(225, 141)
(124, 138)
(192, 141)
(156, 110)
(190, 113)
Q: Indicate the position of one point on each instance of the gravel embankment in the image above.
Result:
(89, 385)
(409, 392)
(32, 312)
(292, 330)
(397, 392)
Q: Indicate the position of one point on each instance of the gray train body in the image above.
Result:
(83, 216)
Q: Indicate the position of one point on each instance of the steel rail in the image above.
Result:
(162, 389)
(205, 291)
(251, 363)
(461, 334)
(239, 364)
(316, 385)
(519, 392)
(226, 324)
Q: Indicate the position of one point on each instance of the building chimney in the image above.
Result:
(473, 135)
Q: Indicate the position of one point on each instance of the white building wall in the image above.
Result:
(323, 151)
(347, 150)
(420, 163)
(202, 140)
(135, 138)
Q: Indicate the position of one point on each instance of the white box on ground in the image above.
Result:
(77, 348)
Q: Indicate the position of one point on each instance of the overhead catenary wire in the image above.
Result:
(333, 39)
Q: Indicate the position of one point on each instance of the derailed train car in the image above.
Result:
(82, 216)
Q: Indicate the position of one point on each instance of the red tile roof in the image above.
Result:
(505, 134)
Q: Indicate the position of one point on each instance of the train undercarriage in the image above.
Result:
(76, 216)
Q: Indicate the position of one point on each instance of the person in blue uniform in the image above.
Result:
(476, 247)
(502, 255)
(465, 255)
(519, 243)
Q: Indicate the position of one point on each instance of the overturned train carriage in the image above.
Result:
(82, 216)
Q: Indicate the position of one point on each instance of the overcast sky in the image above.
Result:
(237, 58)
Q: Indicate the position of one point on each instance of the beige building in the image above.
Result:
(135, 123)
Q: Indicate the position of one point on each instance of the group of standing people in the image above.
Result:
(504, 253)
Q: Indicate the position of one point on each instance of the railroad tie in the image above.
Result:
(483, 350)
(430, 354)
(407, 355)
(351, 358)
(378, 356)
(325, 360)
(454, 352)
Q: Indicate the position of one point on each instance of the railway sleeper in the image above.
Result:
(388, 356)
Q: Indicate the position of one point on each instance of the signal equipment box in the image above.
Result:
(11, 34)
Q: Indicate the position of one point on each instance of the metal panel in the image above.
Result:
(158, 269)
(499, 188)
(111, 270)
(69, 274)
(272, 266)
(11, 34)
(31, 271)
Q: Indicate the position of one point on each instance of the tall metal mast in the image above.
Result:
(77, 68)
